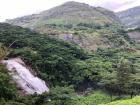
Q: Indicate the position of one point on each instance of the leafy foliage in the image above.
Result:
(94, 99)
(7, 89)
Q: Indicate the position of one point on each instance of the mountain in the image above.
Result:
(130, 17)
(80, 53)
(68, 13)
(89, 27)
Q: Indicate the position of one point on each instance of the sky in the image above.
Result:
(10, 9)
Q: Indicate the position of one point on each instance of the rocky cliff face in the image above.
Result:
(24, 79)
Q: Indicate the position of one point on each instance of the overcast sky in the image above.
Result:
(15, 8)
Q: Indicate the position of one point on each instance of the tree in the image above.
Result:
(123, 76)
(109, 82)
(7, 89)
(57, 96)
(3, 52)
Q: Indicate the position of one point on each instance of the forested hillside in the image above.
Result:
(83, 53)
(63, 64)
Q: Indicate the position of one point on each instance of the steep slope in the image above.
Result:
(68, 13)
(39, 52)
(65, 67)
(42, 52)
(130, 17)
(24, 79)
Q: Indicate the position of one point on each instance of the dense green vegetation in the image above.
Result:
(68, 70)
(54, 59)
(7, 90)
(106, 70)
(88, 35)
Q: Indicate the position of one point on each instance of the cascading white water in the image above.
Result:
(24, 78)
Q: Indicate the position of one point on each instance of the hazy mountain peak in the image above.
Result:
(130, 17)
(67, 13)
(73, 3)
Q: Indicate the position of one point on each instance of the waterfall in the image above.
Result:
(24, 78)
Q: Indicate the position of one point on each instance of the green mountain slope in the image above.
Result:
(42, 51)
(130, 17)
(79, 23)
(68, 69)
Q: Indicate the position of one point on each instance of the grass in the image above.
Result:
(134, 101)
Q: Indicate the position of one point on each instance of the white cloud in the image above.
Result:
(14, 8)
(129, 5)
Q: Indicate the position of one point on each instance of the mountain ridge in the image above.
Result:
(65, 13)
(130, 17)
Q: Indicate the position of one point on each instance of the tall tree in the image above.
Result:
(123, 76)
